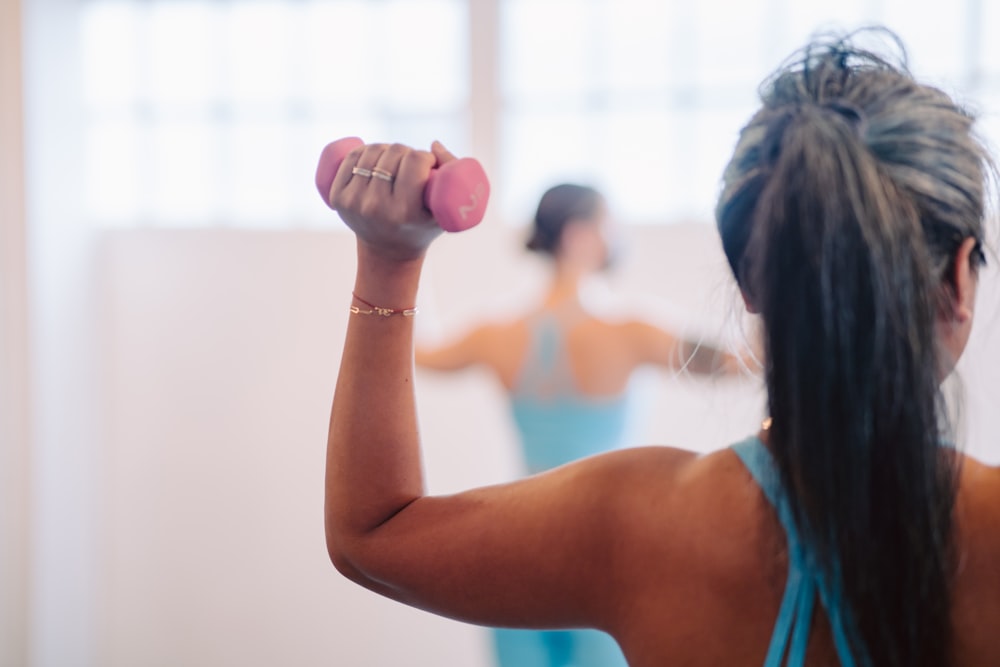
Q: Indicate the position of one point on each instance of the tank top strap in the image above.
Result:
(545, 369)
(805, 579)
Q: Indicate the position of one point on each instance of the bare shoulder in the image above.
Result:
(675, 504)
(699, 553)
(978, 507)
(977, 586)
(502, 347)
(979, 494)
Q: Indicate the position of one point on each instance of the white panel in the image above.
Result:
(110, 36)
(112, 174)
(540, 150)
(257, 42)
(182, 52)
(937, 40)
(423, 54)
(547, 47)
(639, 45)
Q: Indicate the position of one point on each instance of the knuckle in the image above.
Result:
(415, 161)
(369, 207)
(356, 153)
(341, 199)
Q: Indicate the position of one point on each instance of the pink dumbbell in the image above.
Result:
(455, 194)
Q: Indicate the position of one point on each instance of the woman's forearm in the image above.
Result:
(373, 465)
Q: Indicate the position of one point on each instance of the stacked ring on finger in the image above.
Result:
(383, 175)
(361, 171)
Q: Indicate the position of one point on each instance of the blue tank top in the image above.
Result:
(557, 424)
(805, 579)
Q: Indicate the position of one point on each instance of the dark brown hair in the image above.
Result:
(842, 210)
(560, 205)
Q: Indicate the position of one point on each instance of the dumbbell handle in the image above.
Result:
(456, 193)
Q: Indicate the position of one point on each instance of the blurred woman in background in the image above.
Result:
(566, 370)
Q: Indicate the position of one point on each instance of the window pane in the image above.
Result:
(805, 19)
(640, 117)
(257, 59)
(215, 113)
(641, 45)
(426, 68)
(109, 42)
(640, 155)
(937, 41)
(184, 179)
(540, 150)
(988, 122)
(259, 172)
(731, 51)
(988, 41)
(380, 56)
(336, 38)
(111, 172)
(547, 47)
(181, 47)
(708, 147)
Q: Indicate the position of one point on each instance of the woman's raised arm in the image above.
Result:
(545, 551)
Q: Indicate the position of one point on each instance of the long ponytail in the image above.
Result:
(840, 245)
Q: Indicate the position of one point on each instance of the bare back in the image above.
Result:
(732, 549)
(601, 354)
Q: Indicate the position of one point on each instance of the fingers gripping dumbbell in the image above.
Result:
(456, 192)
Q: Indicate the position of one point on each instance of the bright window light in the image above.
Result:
(208, 113)
(646, 98)
(201, 113)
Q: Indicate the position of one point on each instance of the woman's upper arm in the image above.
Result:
(551, 550)
(472, 348)
(653, 345)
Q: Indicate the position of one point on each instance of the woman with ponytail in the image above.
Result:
(848, 531)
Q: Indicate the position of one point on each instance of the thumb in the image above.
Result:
(442, 154)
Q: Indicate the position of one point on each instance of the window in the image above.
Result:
(646, 98)
(206, 112)
(215, 112)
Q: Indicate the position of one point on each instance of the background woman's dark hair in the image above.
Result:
(842, 210)
(559, 205)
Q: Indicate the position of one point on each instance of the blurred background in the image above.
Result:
(173, 291)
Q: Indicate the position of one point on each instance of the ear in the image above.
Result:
(964, 283)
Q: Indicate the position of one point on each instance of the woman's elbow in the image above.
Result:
(341, 559)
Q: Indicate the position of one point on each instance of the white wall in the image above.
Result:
(14, 409)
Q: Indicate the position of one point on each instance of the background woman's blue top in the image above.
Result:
(556, 423)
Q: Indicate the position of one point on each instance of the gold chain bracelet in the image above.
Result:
(380, 311)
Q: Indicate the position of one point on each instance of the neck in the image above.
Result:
(565, 286)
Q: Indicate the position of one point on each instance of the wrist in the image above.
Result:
(387, 281)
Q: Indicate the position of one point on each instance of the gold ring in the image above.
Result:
(383, 174)
(360, 171)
